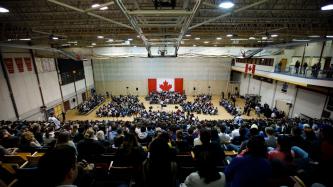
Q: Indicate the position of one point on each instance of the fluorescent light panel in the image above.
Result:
(226, 4)
(95, 5)
(327, 7)
(104, 8)
(300, 40)
(3, 10)
(238, 39)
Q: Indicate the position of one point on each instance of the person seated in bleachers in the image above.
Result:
(180, 144)
(58, 167)
(28, 140)
(7, 140)
(206, 145)
(89, 146)
(270, 140)
(207, 174)
(64, 139)
(251, 170)
(159, 168)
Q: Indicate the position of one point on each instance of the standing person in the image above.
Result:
(330, 71)
(305, 66)
(54, 120)
(63, 113)
(297, 65)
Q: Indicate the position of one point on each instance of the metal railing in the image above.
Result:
(309, 72)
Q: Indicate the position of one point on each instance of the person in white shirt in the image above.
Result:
(55, 121)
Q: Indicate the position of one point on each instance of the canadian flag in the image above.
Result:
(250, 68)
(165, 84)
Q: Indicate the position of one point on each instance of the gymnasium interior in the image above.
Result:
(188, 93)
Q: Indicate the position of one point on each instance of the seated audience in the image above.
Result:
(202, 104)
(90, 104)
(166, 97)
(121, 106)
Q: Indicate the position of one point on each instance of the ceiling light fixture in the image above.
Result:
(25, 39)
(215, 45)
(194, 45)
(197, 38)
(104, 8)
(93, 44)
(130, 39)
(109, 40)
(252, 38)
(238, 39)
(138, 36)
(226, 4)
(95, 5)
(100, 37)
(206, 42)
(329, 36)
(188, 35)
(3, 10)
(327, 7)
(300, 40)
(218, 38)
(264, 38)
(265, 41)
(229, 35)
(55, 38)
(314, 36)
(274, 35)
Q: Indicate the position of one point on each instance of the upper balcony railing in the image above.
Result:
(310, 72)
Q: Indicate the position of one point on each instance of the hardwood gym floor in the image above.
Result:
(222, 114)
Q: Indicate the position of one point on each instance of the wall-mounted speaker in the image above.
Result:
(136, 89)
(193, 88)
(73, 100)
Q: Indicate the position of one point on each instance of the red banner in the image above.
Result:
(19, 64)
(28, 63)
(9, 64)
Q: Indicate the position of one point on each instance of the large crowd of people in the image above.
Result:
(202, 105)
(121, 106)
(269, 150)
(166, 98)
(266, 151)
(88, 105)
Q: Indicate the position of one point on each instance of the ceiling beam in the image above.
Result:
(160, 12)
(187, 24)
(228, 14)
(134, 24)
(89, 13)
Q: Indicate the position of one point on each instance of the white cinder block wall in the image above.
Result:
(26, 92)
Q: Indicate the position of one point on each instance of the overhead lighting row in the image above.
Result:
(98, 5)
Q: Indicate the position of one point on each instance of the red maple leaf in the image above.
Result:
(165, 86)
(250, 68)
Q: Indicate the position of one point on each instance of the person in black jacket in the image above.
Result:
(89, 146)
